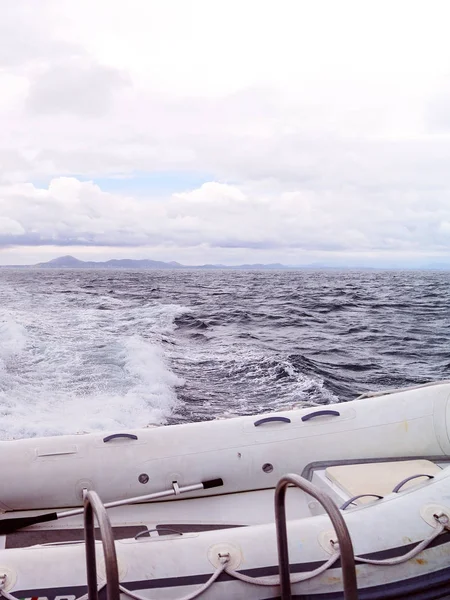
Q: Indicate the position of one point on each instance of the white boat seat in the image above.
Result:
(378, 478)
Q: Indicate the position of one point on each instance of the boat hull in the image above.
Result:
(171, 566)
(247, 453)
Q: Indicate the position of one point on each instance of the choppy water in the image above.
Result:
(87, 350)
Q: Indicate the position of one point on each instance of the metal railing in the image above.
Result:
(342, 533)
(94, 506)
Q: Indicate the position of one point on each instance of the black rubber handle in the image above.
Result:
(8, 526)
(402, 483)
(321, 413)
(348, 502)
(272, 420)
(113, 436)
(212, 483)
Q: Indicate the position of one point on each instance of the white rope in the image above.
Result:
(275, 579)
(7, 595)
(224, 560)
(405, 557)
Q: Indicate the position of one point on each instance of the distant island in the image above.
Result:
(70, 262)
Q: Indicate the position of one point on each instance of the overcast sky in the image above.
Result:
(225, 131)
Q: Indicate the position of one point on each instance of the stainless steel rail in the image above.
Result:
(345, 542)
(94, 506)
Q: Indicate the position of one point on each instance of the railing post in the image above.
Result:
(94, 506)
(343, 535)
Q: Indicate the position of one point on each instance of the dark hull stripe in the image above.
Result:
(423, 587)
(426, 587)
(430, 586)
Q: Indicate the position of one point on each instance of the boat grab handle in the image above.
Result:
(93, 506)
(348, 571)
(402, 483)
(272, 420)
(321, 413)
(113, 436)
(351, 500)
(149, 531)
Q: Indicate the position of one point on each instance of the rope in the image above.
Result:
(440, 528)
(275, 579)
(443, 523)
(7, 595)
(224, 560)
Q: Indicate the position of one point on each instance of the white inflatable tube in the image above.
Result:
(170, 567)
(247, 453)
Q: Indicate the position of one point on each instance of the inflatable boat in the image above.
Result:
(399, 542)
(231, 456)
(403, 433)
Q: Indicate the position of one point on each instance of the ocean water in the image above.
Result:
(86, 350)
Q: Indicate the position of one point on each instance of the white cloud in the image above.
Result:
(30, 33)
(78, 87)
(322, 126)
(10, 227)
(216, 215)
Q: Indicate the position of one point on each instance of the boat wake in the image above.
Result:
(59, 377)
(13, 339)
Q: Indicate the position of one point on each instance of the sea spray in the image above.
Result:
(75, 372)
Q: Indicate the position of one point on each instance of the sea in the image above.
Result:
(89, 350)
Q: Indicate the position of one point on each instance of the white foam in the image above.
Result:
(153, 380)
(13, 338)
(85, 371)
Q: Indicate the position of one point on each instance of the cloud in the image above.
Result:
(74, 213)
(77, 87)
(10, 228)
(316, 137)
(438, 108)
(24, 31)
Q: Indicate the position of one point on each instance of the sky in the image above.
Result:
(292, 131)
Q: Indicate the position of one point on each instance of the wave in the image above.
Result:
(13, 339)
(189, 322)
(87, 374)
(238, 378)
(85, 351)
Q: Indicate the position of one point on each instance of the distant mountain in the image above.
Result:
(70, 262)
(62, 261)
